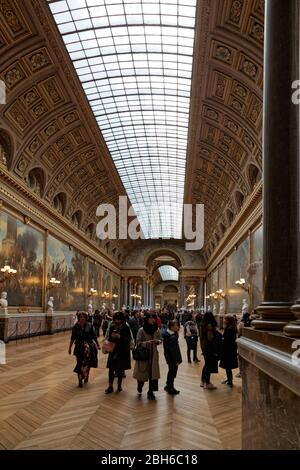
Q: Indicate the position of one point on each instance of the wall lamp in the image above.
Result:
(242, 284)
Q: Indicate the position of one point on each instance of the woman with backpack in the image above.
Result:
(191, 338)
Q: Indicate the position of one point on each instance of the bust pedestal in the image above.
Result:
(3, 312)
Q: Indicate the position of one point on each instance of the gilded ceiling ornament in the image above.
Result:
(11, 18)
(38, 61)
(22, 164)
(13, 76)
(236, 10)
(31, 96)
(52, 91)
(39, 110)
(51, 129)
(35, 145)
(257, 31)
(223, 53)
(249, 68)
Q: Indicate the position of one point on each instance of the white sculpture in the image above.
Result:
(215, 309)
(222, 307)
(245, 307)
(90, 309)
(50, 306)
(3, 303)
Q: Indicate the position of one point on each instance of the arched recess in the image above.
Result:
(77, 218)
(90, 230)
(6, 149)
(253, 175)
(239, 200)
(222, 228)
(37, 180)
(230, 216)
(60, 203)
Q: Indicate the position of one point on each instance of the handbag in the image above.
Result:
(141, 354)
(108, 346)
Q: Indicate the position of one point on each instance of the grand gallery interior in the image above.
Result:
(162, 102)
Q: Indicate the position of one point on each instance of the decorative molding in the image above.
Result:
(277, 364)
(226, 111)
(250, 215)
(16, 194)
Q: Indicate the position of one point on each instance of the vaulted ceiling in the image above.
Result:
(55, 138)
(225, 149)
(57, 148)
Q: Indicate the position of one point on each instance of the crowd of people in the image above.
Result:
(136, 335)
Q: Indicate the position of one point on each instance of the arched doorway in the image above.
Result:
(170, 296)
(166, 290)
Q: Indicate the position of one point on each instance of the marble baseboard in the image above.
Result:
(15, 326)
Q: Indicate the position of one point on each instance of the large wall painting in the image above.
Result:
(94, 282)
(67, 265)
(22, 247)
(237, 268)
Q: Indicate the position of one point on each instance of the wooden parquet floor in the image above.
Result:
(42, 408)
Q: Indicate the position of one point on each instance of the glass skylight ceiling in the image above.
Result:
(134, 60)
(168, 273)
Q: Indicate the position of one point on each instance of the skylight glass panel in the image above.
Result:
(134, 61)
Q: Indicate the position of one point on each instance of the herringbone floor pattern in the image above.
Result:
(42, 408)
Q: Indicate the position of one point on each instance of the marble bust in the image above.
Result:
(3, 303)
(50, 306)
(90, 309)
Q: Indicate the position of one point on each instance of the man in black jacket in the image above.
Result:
(172, 354)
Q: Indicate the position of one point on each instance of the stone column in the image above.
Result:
(151, 300)
(130, 299)
(149, 294)
(125, 291)
(144, 294)
(181, 287)
(201, 293)
(135, 289)
(281, 167)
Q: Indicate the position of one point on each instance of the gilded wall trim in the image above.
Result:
(249, 217)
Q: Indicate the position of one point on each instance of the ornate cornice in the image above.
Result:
(250, 215)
